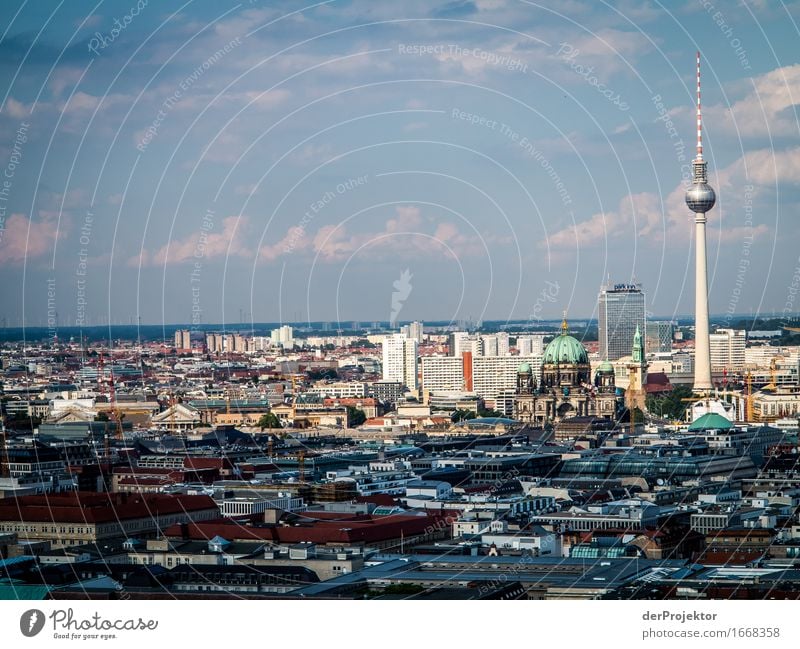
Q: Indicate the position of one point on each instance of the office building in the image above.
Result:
(413, 330)
(530, 345)
(489, 346)
(658, 336)
(442, 373)
(214, 343)
(282, 337)
(183, 340)
(400, 360)
(620, 312)
(727, 349)
(491, 375)
(503, 344)
(461, 341)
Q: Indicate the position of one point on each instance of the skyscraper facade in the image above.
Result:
(726, 349)
(658, 336)
(183, 339)
(413, 330)
(400, 360)
(620, 312)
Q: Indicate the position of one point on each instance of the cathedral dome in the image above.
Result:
(565, 350)
(605, 368)
(524, 368)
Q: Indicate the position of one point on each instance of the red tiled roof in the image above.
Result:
(88, 507)
(365, 529)
(207, 463)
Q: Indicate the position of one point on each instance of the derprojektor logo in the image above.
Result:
(31, 622)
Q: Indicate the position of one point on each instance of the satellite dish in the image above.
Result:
(660, 481)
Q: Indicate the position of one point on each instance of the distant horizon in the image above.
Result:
(316, 326)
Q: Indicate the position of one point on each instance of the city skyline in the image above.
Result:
(470, 160)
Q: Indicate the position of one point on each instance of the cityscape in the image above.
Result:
(388, 395)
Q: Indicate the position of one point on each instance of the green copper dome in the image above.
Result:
(710, 421)
(565, 350)
(605, 368)
(524, 368)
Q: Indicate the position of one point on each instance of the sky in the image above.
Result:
(210, 162)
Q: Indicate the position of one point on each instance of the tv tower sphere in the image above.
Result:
(700, 198)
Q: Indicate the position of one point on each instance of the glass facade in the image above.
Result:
(620, 311)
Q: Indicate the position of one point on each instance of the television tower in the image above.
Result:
(700, 198)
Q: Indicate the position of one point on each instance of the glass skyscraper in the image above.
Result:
(620, 311)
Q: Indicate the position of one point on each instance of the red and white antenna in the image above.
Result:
(699, 114)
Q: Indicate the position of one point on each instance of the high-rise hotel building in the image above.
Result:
(620, 312)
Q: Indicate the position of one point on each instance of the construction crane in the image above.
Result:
(773, 374)
(748, 404)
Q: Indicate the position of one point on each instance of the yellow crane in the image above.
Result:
(773, 374)
(748, 404)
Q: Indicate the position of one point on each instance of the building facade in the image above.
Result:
(620, 311)
(400, 361)
(566, 388)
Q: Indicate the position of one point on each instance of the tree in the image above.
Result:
(269, 420)
(101, 416)
(672, 405)
(322, 374)
(483, 412)
(458, 415)
(355, 416)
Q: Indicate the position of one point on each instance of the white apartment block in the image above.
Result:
(530, 345)
(400, 362)
(727, 349)
(493, 374)
(340, 390)
(442, 373)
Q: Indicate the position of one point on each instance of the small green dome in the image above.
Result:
(710, 421)
(565, 350)
(605, 368)
(524, 368)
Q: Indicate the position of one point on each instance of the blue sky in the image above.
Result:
(286, 161)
